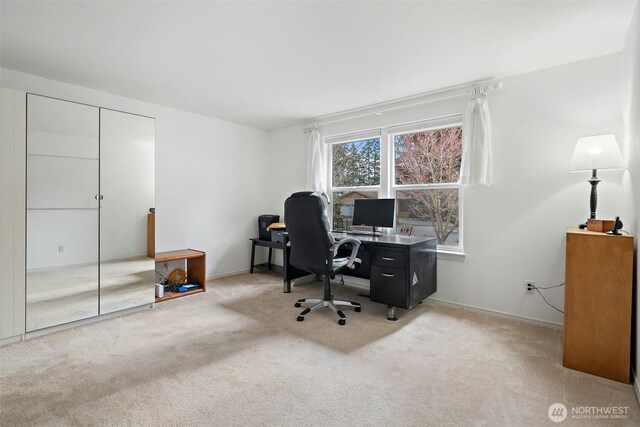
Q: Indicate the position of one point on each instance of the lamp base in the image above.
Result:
(600, 225)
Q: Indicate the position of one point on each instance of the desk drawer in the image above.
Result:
(388, 258)
(388, 286)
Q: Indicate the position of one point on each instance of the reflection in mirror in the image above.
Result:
(62, 212)
(127, 182)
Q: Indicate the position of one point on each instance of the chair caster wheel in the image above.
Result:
(358, 309)
(341, 322)
(298, 304)
(300, 318)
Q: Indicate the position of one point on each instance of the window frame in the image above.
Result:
(388, 187)
(425, 127)
(330, 141)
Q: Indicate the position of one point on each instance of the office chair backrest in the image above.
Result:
(308, 227)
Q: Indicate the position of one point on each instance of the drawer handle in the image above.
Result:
(386, 258)
(387, 275)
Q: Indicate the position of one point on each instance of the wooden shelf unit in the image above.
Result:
(196, 270)
(597, 304)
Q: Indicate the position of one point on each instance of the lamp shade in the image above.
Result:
(596, 152)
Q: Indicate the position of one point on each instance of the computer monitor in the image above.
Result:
(374, 212)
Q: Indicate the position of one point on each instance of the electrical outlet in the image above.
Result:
(60, 249)
(528, 286)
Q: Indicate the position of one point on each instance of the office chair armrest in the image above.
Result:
(354, 249)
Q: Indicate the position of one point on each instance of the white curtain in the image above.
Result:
(316, 180)
(476, 143)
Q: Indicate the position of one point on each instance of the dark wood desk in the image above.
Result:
(265, 243)
(401, 269)
(289, 272)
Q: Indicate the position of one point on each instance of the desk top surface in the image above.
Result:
(388, 239)
(391, 239)
(268, 243)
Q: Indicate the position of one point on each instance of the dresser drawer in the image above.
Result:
(388, 285)
(388, 258)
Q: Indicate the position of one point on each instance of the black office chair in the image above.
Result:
(313, 249)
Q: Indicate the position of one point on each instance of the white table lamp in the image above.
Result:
(593, 153)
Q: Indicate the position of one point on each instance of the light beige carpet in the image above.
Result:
(236, 356)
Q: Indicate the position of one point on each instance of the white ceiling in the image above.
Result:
(269, 64)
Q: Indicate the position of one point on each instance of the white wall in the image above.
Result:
(12, 218)
(210, 174)
(631, 127)
(515, 229)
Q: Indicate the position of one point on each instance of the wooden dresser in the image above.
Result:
(597, 304)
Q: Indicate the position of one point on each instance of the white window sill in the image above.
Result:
(452, 256)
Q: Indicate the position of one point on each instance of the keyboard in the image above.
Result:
(359, 233)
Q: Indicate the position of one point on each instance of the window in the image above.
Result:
(422, 173)
(356, 163)
(426, 183)
(355, 174)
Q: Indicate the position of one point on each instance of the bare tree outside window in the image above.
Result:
(423, 177)
(429, 157)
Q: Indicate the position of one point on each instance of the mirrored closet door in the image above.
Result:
(127, 183)
(62, 212)
(90, 184)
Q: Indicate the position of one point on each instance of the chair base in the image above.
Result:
(331, 304)
(327, 301)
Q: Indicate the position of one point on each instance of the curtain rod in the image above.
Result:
(395, 125)
(372, 110)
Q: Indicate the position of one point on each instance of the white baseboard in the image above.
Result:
(364, 284)
(221, 276)
(636, 385)
(353, 281)
(11, 340)
(233, 273)
(94, 319)
(496, 313)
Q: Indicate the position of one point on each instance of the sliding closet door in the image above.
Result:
(62, 212)
(127, 183)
